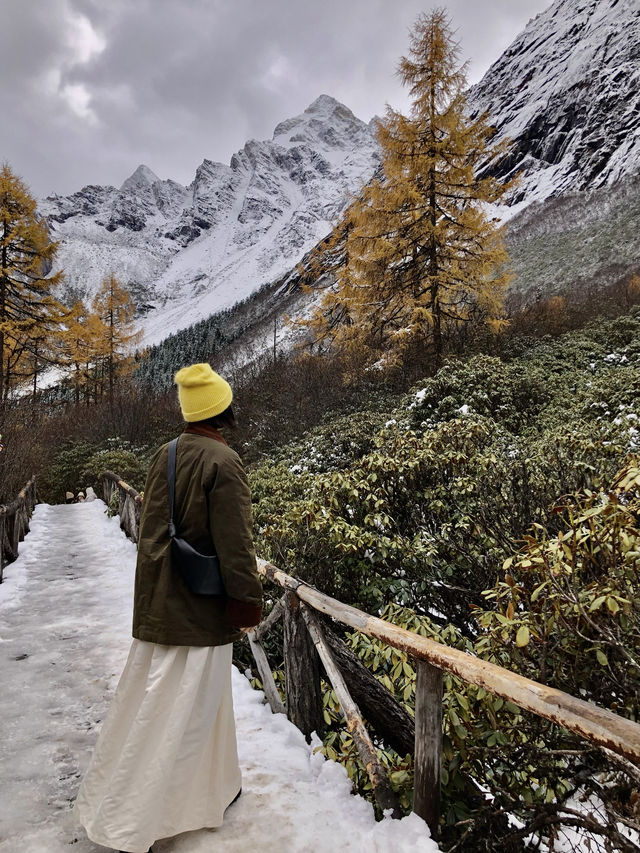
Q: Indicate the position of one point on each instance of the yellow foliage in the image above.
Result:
(80, 347)
(29, 312)
(115, 334)
(94, 345)
(416, 252)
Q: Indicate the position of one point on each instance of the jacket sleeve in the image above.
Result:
(230, 521)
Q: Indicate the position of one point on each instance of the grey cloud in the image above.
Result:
(180, 81)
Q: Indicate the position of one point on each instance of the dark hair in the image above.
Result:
(224, 419)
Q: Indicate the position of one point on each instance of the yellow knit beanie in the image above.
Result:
(202, 393)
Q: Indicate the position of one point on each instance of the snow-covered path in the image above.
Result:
(65, 621)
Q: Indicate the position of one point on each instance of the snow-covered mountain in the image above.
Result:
(187, 252)
(566, 92)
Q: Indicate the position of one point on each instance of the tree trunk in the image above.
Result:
(275, 327)
(389, 719)
(433, 249)
(2, 535)
(35, 372)
(3, 315)
(302, 672)
(111, 344)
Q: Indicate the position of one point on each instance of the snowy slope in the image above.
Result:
(65, 629)
(187, 252)
(567, 94)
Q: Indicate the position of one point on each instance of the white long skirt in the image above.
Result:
(166, 759)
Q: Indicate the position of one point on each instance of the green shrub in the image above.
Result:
(415, 514)
(80, 464)
(484, 385)
(65, 473)
(565, 612)
(130, 463)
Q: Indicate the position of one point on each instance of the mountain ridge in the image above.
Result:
(186, 252)
(566, 91)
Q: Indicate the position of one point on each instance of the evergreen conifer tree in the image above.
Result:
(417, 253)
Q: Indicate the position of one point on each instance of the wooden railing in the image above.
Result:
(595, 724)
(309, 640)
(129, 503)
(14, 523)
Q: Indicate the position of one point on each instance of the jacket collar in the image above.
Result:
(204, 429)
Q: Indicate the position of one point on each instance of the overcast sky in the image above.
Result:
(92, 88)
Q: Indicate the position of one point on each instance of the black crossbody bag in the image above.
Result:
(201, 572)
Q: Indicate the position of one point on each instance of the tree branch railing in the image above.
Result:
(129, 503)
(14, 523)
(310, 641)
(596, 725)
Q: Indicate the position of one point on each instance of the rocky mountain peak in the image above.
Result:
(141, 178)
(566, 92)
(325, 121)
(186, 252)
(325, 106)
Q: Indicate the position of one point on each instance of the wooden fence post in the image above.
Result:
(14, 523)
(382, 791)
(302, 672)
(24, 521)
(261, 630)
(13, 534)
(428, 745)
(266, 676)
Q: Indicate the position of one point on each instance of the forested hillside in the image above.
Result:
(493, 505)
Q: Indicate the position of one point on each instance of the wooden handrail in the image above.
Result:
(18, 502)
(110, 476)
(14, 523)
(584, 718)
(129, 502)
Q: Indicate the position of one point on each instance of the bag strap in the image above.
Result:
(171, 479)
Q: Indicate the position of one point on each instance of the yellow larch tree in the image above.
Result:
(418, 253)
(114, 307)
(29, 312)
(632, 290)
(80, 347)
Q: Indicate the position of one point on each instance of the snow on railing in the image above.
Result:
(14, 523)
(305, 635)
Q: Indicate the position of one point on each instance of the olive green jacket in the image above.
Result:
(212, 501)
